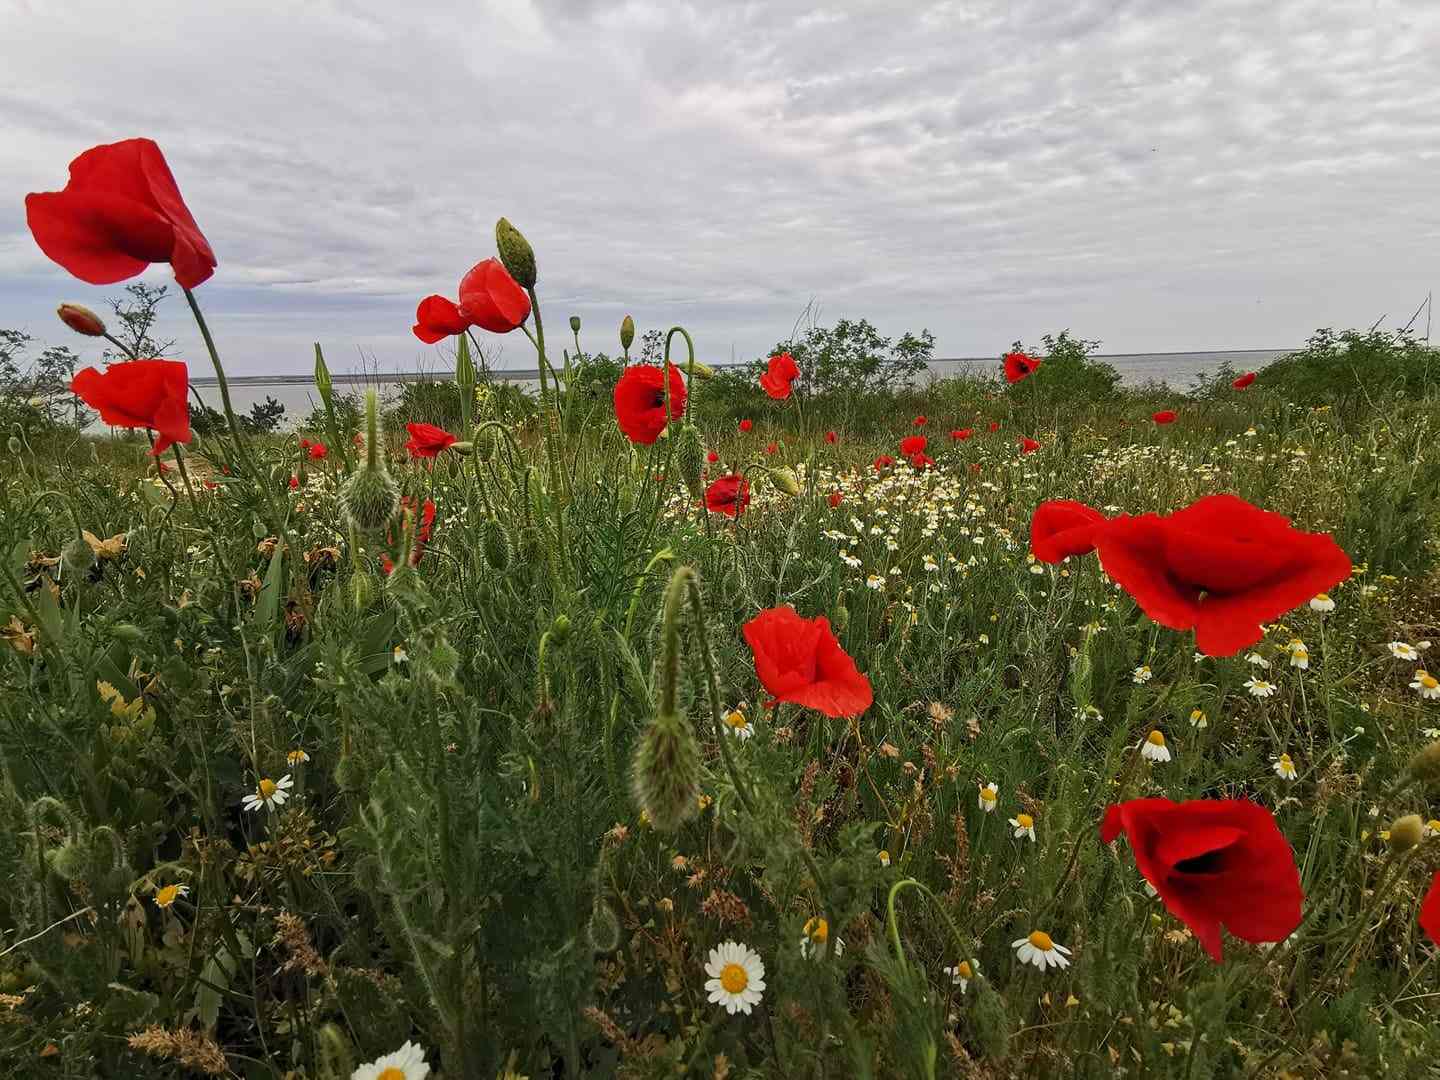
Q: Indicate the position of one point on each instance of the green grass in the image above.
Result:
(462, 861)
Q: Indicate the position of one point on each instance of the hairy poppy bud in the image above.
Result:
(13, 444)
(627, 332)
(369, 499)
(990, 1020)
(785, 480)
(702, 371)
(362, 591)
(690, 458)
(516, 254)
(604, 928)
(574, 324)
(560, 629)
(336, 1058)
(666, 772)
(496, 544)
(1406, 832)
(840, 618)
(77, 556)
(81, 319)
(1425, 765)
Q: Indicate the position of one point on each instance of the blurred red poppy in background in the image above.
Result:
(1063, 527)
(994, 425)
(1019, 366)
(427, 440)
(1028, 445)
(1220, 567)
(780, 373)
(728, 495)
(746, 425)
(712, 457)
(831, 437)
(120, 211)
(640, 402)
(317, 451)
(1430, 910)
(962, 434)
(437, 318)
(799, 660)
(1214, 863)
(913, 444)
(919, 421)
(1164, 416)
(491, 299)
(835, 499)
(140, 394)
(921, 461)
(883, 462)
(1244, 380)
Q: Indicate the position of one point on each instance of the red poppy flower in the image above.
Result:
(140, 394)
(1028, 445)
(772, 448)
(304, 444)
(913, 444)
(1244, 380)
(318, 451)
(994, 425)
(640, 402)
(974, 466)
(780, 373)
(422, 531)
(491, 299)
(921, 461)
(437, 318)
(427, 440)
(712, 457)
(746, 425)
(294, 483)
(830, 436)
(1019, 366)
(1430, 910)
(120, 211)
(1214, 862)
(799, 660)
(1063, 527)
(728, 495)
(835, 499)
(919, 421)
(1220, 566)
(962, 434)
(883, 462)
(1164, 416)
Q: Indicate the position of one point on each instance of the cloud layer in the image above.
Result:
(1157, 175)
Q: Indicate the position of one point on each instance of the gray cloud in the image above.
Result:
(1157, 175)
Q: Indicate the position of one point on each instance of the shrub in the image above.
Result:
(1353, 367)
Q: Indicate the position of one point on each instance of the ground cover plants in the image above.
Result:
(1032, 727)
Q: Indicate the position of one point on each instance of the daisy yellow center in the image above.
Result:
(988, 794)
(1323, 597)
(736, 719)
(1041, 940)
(818, 930)
(1196, 714)
(166, 896)
(1155, 739)
(268, 788)
(1025, 821)
(963, 969)
(1428, 681)
(392, 1073)
(734, 978)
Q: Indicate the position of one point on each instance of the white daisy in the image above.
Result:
(988, 794)
(1285, 768)
(738, 724)
(1260, 688)
(962, 973)
(401, 657)
(1299, 654)
(1142, 674)
(1425, 684)
(816, 934)
(407, 1063)
(270, 794)
(737, 977)
(1154, 748)
(1256, 659)
(297, 756)
(1024, 826)
(1199, 719)
(1039, 949)
(1403, 650)
(168, 894)
(1322, 603)
(884, 857)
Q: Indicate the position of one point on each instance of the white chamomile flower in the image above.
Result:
(407, 1063)
(1432, 829)
(1299, 654)
(1024, 826)
(962, 973)
(1142, 674)
(1403, 650)
(269, 794)
(1154, 748)
(1285, 768)
(1199, 719)
(1425, 684)
(989, 793)
(297, 756)
(168, 894)
(875, 581)
(1322, 603)
(737, 977)
(816, 934)
(401, 657)
(884, 857)
(1260, 688)
(1256, 659)
(738, 725)
(1040, 949)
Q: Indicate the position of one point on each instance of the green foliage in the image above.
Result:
(1375, 368)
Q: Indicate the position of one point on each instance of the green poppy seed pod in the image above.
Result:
(627, 332)
(1425, 765)
(690, 458)
(14, 444)
(841, 617)
(81, 319)
(77, 556)
(516, 254)
(604, 928)
(665, 774)
(1406, 832)
(560, 629)
(496, 544)
(369, 499)
(322, 376)
(574, 324)
(990, 1020)
(785, 480)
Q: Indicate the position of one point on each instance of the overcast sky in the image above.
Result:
(1153, 173)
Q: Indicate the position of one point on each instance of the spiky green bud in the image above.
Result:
(77, 556)
(1406, 832)
(990, 1020)
(785, 480)
(560, 629)
(1425, 765)
(369, 499)
(840, 618)
(574, 324)
(336, 1058)
(627, 332)
(690, 458)
(496, 544)
(516, 254)
(70, 860)
(665, 774)
(604, 928)
(14, 444)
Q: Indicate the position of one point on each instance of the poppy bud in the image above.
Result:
(574, 324)
(1425, 765)
(369, 499)
(560, 629)
(785, 480)
(13, 444)
(496, 544)
(69, 860)
(77, 556)
(665, 774)
(81, 319)
(627, 332)
(604, 928)
(690, 458)
(362, 591)
(702, 371)
(990, 1020)
(840, 618)
(516, 254)
(466, 448)
(127, 632)
(322, 376)
(336, 1057)
(1406, 832)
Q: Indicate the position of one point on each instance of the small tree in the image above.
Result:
(136, 313)
(854, 358)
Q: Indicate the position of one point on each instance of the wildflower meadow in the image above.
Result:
(679, 722)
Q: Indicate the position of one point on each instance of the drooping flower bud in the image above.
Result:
(77, 556)
(1425, 765)
(785, 480)
(604, 928)
(690, 458)
(990, 1020)
(1406, 832)
(627, 332)
(14, 444)
(496, 543)
(702, 370)
(665, 774)
(516, 254)
(81, 319)
(560, 629)
(574, 324)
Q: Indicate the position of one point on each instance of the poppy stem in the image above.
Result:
(219, 378)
